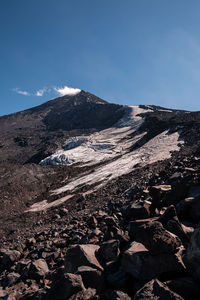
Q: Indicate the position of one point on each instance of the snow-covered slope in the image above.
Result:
(102, 145)
(110, 149)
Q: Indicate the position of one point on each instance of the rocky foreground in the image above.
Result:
(144, 244)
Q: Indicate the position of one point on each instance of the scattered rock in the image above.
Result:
(154, 289)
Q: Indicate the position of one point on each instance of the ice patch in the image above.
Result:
(73, 142)
(100, 146)
(59, 158)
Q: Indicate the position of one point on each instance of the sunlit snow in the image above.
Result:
(111, 148)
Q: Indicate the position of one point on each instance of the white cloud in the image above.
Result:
(67, 91)
(40, 92)
(18, 91)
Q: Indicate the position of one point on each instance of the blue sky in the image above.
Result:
(128, 52)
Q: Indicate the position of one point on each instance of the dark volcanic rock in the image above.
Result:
(92, 278)
(116, 295)
(8, 257)
(186, 287)
(117, 279)
(66, 286)
(141, 264)
(38, 269)
(154, 289)
(109, 250)
(88, 294)
(138, 210)
(81, 255)
(193, 254)
(154, 236)
(11, 279)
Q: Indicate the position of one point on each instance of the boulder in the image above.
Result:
(183, 208)
(88, 294)
(189, 208)
(160, 189)
(177, 229)
(141, 264)
(171, 222)
(193, 254)
(154, 237)
(110, 221)
(38, 269)
(169, 214)
(65, 286)
(92, 278)
(81, 255)
(8, 257)
(11, 279)
(186, 287)
(115, 295)
(109, 250)
(155, 289)
(117, 279)
(139, 209)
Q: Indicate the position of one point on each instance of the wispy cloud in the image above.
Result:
(66, 90)
(61, 91)
(18, 91)
(40, 92)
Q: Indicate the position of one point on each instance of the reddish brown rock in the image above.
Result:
(38, 269)
(116, 295)
(138, 210)
(81, 255)
(155, 289)
(65, 286)
(141, 264)
(109, 250)
(193, 254)
(186, 287)
(89, 294)
(92, 278)
(154, 237)
(8, 257)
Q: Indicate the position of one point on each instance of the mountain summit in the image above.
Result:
(91, 189)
